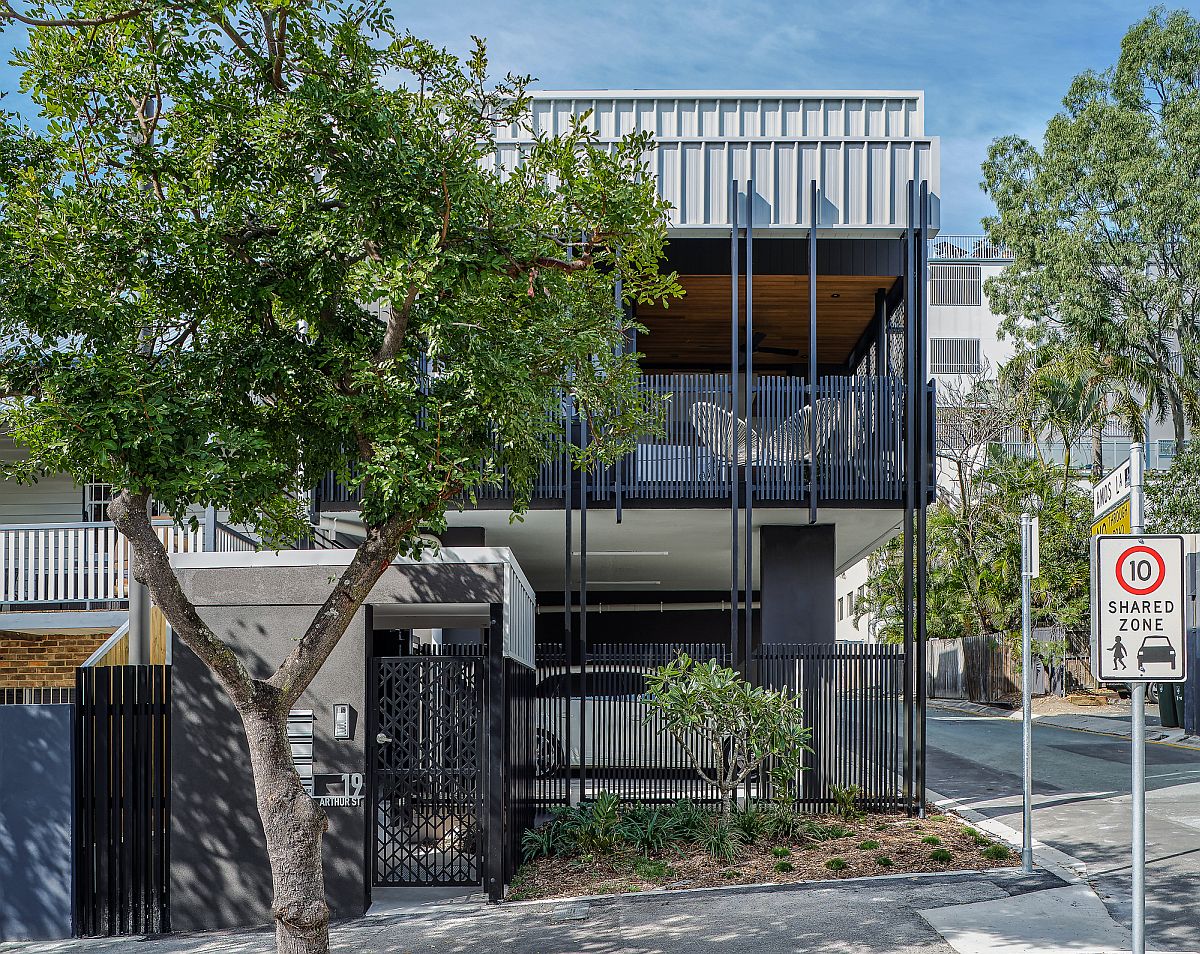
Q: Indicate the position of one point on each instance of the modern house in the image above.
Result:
(798, 436)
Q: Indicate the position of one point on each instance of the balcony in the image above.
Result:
(967, 248)
(857, 436)
(84, 565)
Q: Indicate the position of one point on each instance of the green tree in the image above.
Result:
(1173, 495)
(246, 244)
(1103, 220)
(727, 726)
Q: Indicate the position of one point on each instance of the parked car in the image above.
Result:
(1155, 649)
(610, 727)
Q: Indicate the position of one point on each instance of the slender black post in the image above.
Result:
(922, 373)
(618, 350)
(750, 451)
(568, 576)
(812, 356)
(881, 340)
(583, 608)
(910, 389)
(497, 770)
(734, 642)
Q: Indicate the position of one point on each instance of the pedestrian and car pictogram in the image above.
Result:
(1138, 609)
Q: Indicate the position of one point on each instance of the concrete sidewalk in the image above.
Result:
(862, 916)
(1117, 724)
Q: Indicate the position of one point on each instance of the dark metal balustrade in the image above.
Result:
(857, 442)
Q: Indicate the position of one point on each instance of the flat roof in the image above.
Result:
(727, 93)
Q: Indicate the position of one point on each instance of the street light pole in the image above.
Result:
(1027, 691)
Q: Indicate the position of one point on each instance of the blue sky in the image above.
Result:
(987, 69)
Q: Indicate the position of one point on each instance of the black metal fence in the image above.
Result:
(123, 802)
(594, 733)
(852, 698)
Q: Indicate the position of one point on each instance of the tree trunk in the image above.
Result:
(293, 824)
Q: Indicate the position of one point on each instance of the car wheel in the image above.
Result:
(1152, 692)
(548, 755)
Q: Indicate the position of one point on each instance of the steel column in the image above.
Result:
(583, 595)
(568, 565)
(497, 767)
(750, 452)
(909, 495)
(921, 374)
(812, 355)
(734, 339)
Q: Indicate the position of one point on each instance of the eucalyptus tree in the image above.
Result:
(1103, 219)
(246, 244)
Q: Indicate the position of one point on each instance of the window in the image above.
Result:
(954, 356)
(95, 502)
(955, 285)
(850, 603)
(841, 608)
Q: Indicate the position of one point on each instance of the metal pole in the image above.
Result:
(1026, 692)
(734, 644)
(749, 493)
(1137, 522)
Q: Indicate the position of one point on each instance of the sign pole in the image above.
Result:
(1137, 525)
(1027, 691)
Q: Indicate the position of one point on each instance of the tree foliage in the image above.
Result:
(728, 726)
(246, 244)
(974, 569)
(1173, 495)
(1103, 220)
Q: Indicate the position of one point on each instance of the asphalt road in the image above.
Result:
(1082, 786)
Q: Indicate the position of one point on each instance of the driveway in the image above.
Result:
(1082, 807)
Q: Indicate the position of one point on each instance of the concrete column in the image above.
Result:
(797, 584)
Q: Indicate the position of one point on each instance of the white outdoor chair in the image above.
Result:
(725, 438)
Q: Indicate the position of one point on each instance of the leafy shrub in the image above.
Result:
(543, 842)
(783, 822)
(722, 841)
(940, 855)
(997, 852)
(708, 707)
(647, 829)
(837, 864)
(815, 831)
(688, 820)
(845, 801)
(883, 861)
(652, 870)
(749, 822)
(931, 840)
(784, 867)
(592, 827)
(779, 851)
(868, 845)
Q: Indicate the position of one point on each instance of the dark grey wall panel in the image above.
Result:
(798, 584)
(219, 872)
(36, 822)
(789, 256)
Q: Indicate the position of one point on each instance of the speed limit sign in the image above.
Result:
(1138, 609)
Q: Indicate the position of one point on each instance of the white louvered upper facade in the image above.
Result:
(862, 148)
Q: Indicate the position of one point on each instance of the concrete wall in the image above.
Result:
(36, 822)
(219, 872)
(798, 584)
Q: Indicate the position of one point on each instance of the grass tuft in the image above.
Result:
(837, 864)
(868, 845)
(941, 856)
(784, 866)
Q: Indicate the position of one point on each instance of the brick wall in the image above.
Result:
(29, 661)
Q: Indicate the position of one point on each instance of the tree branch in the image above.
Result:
(151, 566)
(7, 12)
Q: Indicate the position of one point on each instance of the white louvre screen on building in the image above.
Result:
(955, 285)
(954, 356)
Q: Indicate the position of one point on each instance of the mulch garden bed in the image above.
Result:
(874, 844)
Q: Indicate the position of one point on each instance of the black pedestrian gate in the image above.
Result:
(123, 802)
(427, 784)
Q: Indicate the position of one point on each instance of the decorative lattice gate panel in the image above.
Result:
(428, 779)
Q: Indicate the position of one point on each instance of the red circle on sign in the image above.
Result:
(1162, 570)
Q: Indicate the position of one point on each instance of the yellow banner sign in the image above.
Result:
(1117, 520)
